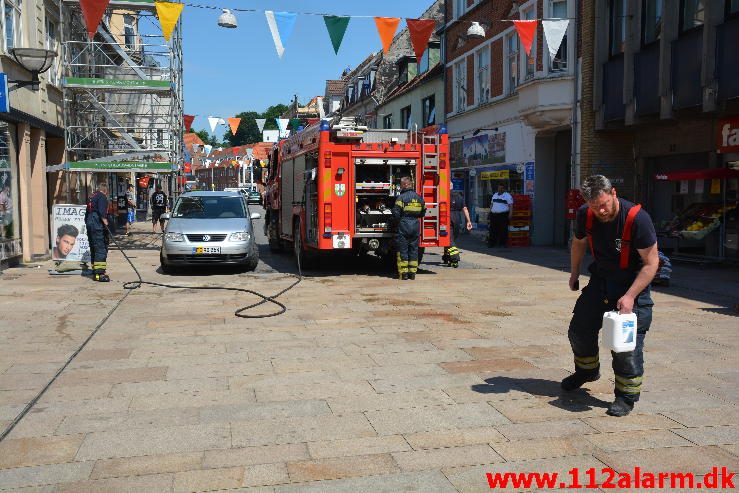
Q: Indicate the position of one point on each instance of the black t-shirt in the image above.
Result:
(159, 200)
(458, 202)
(607, 237)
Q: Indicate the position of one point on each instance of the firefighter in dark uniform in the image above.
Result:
(408, 209)
(623, 243)
(460, 216)
(97, 232)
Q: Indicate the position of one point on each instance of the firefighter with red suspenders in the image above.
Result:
(623, 243)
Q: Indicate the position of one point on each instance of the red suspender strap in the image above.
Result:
(626, 237)
(589, 230)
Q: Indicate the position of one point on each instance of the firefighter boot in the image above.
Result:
(411, 276)
(620, 407)
(403, 276)
(102, 277)
(578, 379)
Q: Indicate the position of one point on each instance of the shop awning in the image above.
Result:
(698, 174)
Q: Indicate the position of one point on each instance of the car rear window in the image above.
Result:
(216, 207)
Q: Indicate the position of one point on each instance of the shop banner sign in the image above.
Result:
(728, 135)
(495, 175)
(69, 234)
(4, 99)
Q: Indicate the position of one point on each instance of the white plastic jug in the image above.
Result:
(619, 331)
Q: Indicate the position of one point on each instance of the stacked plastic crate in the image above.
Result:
(519, 228)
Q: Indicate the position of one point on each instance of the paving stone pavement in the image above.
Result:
(364, 384)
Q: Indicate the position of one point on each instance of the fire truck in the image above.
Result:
(331, 188)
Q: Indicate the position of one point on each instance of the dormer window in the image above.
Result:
(407, 69)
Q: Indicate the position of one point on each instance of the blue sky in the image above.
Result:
(228, 71)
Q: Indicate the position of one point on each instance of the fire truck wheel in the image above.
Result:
(302, 257)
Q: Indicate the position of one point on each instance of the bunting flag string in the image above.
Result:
(281, 25)
(282, 124)
(92, 11)
(336, 27)
(260, 124)
(187, 120)
(386, 27)
(207, 148)
(213, 121)
(420, 31)
(526, 32)
(554, 32)
(168, 14)
(234, 124)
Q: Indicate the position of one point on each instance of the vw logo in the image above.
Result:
(206, 237)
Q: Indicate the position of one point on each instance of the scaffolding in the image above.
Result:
(122, 90)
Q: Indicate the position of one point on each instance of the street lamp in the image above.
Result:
(35, 60)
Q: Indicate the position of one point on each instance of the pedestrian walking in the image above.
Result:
(623, 243)
(501, 211)
(408, 209)
(96, 223)
(130, 207)
(460, 217)
(158, 207)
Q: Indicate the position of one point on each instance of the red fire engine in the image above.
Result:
(332, 188)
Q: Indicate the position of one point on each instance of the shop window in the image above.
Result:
(512, 62)
(9, 242)
(732, 8)
(12, 25)
(558, 10)
(652, 21)
(483, 75)
(691, 14)
(429, 111)
(387, 121)
(618, 26)
(405, 117)
(530, 59)
(460, 86)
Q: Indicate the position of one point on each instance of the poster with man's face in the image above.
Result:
(69, 234)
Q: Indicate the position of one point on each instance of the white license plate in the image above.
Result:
(342, 240)
(205, 250)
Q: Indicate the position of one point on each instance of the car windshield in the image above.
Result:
(218, 207)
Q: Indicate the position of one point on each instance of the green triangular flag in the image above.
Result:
(336, 26)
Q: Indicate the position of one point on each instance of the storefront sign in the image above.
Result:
(69, 234)
(119, 166)
(529, 175)
(4, 99)
(117, 83)
(495, 175)
(728, 135)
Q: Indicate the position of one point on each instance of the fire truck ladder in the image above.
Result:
(430, 187)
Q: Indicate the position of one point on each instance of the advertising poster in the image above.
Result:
(529, 179)
(69, 235)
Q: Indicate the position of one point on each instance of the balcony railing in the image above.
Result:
(613, 89)
(646, 80)
(687, 57)
(727, 59)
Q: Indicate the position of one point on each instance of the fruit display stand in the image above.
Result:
(694, 224)
(519, 228)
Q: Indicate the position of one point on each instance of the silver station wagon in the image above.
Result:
(209, 228)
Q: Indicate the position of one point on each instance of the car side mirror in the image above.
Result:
(165, 216)
(256, 215)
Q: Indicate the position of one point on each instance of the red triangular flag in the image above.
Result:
(420, 30)
(93, 11)
(526, 32)
(188, 119)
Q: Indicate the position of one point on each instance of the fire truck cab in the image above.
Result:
(331, 187)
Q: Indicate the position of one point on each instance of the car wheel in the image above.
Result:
(166, 268)
(253, 261)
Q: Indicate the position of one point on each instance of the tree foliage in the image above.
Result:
(248, 131)
(207, 138)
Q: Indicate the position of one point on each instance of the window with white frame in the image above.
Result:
(12, 26)
(482, 85)
(52, 43)
(129, 31)
(558, 10)
(405, 117)
(529, 60)
(460, 86)
(512, 62)
(429, 110)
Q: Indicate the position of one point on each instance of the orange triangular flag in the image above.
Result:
(420, 30)
(386, 27)
(93, 11)
(234, 124)
(526, 32)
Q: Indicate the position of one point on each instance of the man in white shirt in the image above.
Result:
(501, 210)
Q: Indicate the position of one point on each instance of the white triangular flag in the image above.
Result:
(207, 148)
(213, 121)
(554, 32)
(282, 124)
(260, 124)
